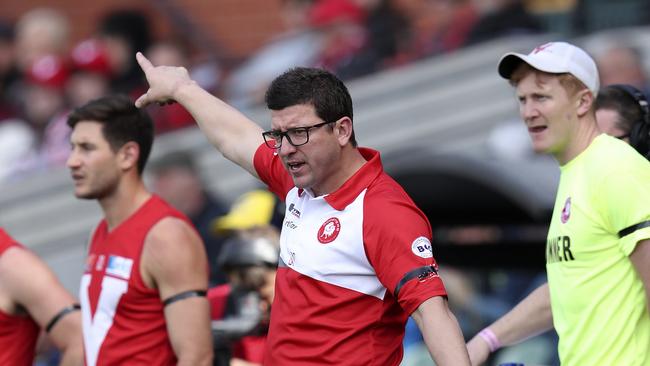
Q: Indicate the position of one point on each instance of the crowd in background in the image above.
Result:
(43, 75)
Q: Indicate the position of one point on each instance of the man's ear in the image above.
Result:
(584, 102)
(343, 129)
(129, 154)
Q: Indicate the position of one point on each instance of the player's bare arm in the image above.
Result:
(640, 258)
(231, 132)
(174, 262)
(529, 318)
(433, 317)
(45, 299)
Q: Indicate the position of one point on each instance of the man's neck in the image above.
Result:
(585, 133)
(351, 162)
(124, 202)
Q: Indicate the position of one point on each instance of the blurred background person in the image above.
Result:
(170, 52)
(176, 178)
(622, 111)
(41, 32)
(619, 63)
(124, 32)
(90, 73)
(241, 309)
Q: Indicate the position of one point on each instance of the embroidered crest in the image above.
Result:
(329, 230)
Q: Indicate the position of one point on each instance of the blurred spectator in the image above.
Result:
(341, 24)
(177, 180)
(590, 16)
(249, 257)
(44, 109)
(90, 78)
(499, 18)
(173, 116)
(17, 141)
(41, 32)
(124, 32)
(385, 28)
(622, 64)
(297, 45)
(8, 72)
(433, 27)
(241, 308)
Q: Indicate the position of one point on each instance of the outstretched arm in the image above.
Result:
(441, 332)
(32, 285)
(529, 318)
(174, 262)
(230, 131)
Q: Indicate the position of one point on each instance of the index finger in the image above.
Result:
(145, 64)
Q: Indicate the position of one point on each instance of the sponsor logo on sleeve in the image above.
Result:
(119, 266)
(422, 247)
(329, 230)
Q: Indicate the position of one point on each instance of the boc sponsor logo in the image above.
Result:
(422, 247)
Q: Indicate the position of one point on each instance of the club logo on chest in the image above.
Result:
(329, 230)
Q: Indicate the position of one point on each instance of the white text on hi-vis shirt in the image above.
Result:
(422, 247)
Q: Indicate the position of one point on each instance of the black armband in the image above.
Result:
(65, 311)
(420, 273)
(184, 295)
(633, 228)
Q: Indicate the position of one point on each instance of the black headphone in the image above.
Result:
(640, 132)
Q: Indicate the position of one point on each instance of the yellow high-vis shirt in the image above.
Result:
(597, 297)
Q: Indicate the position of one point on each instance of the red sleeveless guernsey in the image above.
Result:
(123, 320)
(18, 334)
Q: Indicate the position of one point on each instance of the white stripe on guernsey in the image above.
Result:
(342, 262)
(95, 328)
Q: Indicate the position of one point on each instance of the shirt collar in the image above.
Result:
(359, 181)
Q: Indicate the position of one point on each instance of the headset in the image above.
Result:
(640, 131)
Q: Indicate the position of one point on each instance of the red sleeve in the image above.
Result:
(397, 239)
(271, 171)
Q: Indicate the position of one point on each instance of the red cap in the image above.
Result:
(325, 12)
(90, 55)
(48, 71)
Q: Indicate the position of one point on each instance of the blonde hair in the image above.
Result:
(569, 82)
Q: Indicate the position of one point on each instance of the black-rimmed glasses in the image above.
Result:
(296, 136)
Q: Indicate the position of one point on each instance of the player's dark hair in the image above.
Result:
(121, 122)
(320, 88)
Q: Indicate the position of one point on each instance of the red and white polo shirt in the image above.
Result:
(354, 264)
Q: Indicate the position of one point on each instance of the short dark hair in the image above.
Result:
(320, 88)
(621, 101)
(121, 122)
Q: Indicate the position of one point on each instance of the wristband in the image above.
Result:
(490, 338)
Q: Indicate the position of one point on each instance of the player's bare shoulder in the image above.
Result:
(171, 246)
